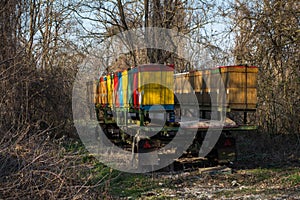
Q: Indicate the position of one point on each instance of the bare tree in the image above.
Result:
(37, 66)
(112, 17)
(268, 36)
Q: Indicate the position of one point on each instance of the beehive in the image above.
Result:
(155, 86)
(117, 89)
(92, 92)
(99, 94)
(110, 91)
(103, 91)
(240, 84)
(123, 97)
(213, 91)
(239, 76)
(132, 89)
(185, 84)
(198, 81)
(207, 85)
(183, 88)
(179, 82)
(177, 87)
(201, 80)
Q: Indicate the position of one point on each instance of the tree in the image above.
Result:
(267, 35)
(112, 17)
(38, 62)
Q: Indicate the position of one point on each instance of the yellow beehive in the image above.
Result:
(99, 93)
(156, 85)
(124, 88)
(110, 86)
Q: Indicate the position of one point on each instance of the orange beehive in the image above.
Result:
(92, 92)
(237, 82)
(103, 91)
(240, 84)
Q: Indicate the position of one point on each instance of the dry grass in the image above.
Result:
(34, 166)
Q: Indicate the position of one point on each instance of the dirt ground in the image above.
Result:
(241, 184)
(267, 168)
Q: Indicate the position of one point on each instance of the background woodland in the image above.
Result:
(44, 42)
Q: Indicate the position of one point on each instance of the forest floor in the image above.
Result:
(274, 183)
(268, 167)
(35, 167)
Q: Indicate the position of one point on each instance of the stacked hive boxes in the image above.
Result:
(240, 84)
(138, 88)
(147, 85)
(183, 88)
(237, 82)
(155, 83)
(110, 86)
(133, 93)
(92, 91)
(117, 89)
(102, 91)
(123, 90)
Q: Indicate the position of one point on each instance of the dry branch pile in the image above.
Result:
(35, 167)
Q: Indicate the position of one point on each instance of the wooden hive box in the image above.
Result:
(95, 92)
(110, 86)
(239, 76)
(240, 84)
(184, 87)
(99, 94)
(206, 88)
(198, 81)
(177, 87)
(132, 88)
(103, 91)
(124, 101)
(117, 89)
(201, 80)
(155, 86)
(92, 92)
